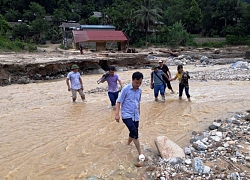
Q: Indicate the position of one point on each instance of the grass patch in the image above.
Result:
(16, 45)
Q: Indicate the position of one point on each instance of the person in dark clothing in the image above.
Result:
(81, 48)
(165, 69)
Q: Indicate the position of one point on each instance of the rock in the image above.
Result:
(215, 138)
(235, 176)
(200, 146)
(92, 178)
(206, 170)
(213, 127)
(217, 124)
(188, 161)
(216, 51)
(197, 165)
(175, 160)
(247, 117)
(167, 148)
(187, 151)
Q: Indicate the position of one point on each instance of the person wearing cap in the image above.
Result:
(75, 84)
(165, 69)
(113, 89)
(157, 82)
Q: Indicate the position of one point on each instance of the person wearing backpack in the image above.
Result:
(183, 77)
(157, 82)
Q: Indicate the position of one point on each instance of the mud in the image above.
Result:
(26, 68)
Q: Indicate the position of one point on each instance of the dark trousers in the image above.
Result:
(113, 97)
(167, 82)
(181, 87)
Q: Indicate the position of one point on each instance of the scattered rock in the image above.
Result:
(227, 154)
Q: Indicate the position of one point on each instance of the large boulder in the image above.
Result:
(167, 148)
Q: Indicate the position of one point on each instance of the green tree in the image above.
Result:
(147, 15)
(88, 8)
(35, 11)
(177, 35)
(12, 15)
(172, 13)
(194, 18)
(4, 26)
(38, 29)
(20, 31)
(93, 20)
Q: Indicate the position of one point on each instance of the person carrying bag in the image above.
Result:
(157, 83)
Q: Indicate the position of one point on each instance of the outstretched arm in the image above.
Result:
(171, 79)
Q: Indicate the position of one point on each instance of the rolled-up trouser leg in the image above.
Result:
(73, 94)
(132, 127)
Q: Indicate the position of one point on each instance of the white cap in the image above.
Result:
(160, 61)
(141, 157)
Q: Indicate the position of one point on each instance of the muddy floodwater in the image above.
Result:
(46, 136)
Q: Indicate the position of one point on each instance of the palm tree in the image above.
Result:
(147, 15)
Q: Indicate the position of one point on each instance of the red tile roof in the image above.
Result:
(98, 35)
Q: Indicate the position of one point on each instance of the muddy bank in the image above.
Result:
(27, 67)
(23, 73)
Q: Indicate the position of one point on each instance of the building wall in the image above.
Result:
(100, 46)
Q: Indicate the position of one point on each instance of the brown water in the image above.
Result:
(46, 136)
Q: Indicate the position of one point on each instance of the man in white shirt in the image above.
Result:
(76, 83)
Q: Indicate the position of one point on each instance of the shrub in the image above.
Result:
(238, 40)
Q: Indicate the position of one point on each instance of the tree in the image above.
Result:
(173, 13)
(39, 27)
(93, 20)
(194, 17)
(177, 35)
(147, 15)
(12, 15)
(20, 31)
(4, 26)
(35, 11)
(88, 8)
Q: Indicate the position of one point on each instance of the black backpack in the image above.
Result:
(184, 79)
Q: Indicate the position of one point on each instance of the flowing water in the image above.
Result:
(46, 136)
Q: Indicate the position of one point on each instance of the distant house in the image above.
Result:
(15, 23)
(97, 14)
(48, 18)
(97, 27)
(100, 38)
(69, 26)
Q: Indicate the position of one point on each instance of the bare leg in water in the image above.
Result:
(137, 144)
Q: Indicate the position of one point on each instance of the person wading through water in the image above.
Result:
(165, 69)
(183, 77)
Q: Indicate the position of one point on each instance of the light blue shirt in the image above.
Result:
(130, 102)
(158, 80)
(74, 80)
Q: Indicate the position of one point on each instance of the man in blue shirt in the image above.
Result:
(159, 83)
(129, 102)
